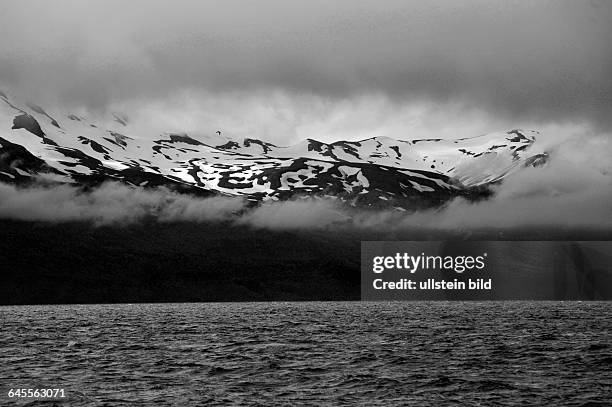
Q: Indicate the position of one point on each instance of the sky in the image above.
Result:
(284, 71)
(287, 70)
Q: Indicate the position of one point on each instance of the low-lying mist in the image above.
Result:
(111, 203)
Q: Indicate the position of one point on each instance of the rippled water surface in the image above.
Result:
(506, 353)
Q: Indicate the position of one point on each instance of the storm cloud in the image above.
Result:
(536, 63)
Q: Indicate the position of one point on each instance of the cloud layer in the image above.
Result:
(512, 61)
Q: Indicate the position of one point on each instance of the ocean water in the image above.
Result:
(321, 353)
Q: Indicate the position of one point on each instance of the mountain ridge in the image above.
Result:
(373, 172)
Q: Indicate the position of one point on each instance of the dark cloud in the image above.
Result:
(523, 61)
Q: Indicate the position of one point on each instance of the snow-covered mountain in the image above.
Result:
(380, 171)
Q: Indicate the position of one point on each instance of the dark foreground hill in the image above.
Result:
(77, 263)
(182, 262)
